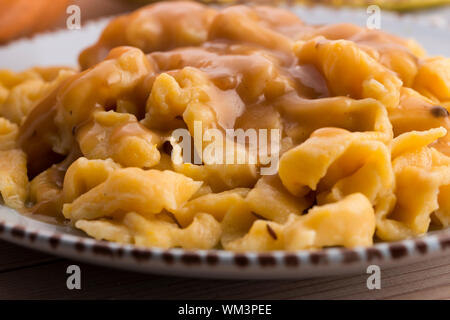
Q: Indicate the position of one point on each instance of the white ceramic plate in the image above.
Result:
(431, 30)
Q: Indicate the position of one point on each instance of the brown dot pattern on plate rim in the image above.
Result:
(374, 253)
(79, 246)
(103, 249)
(54, 240)
(445, 242)
(141, 254)
(18, 232)
(32, 236)
(190, 258)
(398, 250)
(212, 259)
(241, 260)
(168, 257)
(291, 260)
(421, 246)
(318, 258)
(267, 260)
(349, 256)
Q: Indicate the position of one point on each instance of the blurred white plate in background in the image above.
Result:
(430, 28)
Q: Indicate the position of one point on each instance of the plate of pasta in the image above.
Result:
(238, 142)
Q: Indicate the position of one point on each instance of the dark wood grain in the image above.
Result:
(13, 257)
(26, 274)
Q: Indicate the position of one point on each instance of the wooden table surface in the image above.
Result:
(27, 274)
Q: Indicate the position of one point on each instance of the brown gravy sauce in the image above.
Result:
(254, 67)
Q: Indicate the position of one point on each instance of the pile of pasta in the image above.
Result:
(363, 117)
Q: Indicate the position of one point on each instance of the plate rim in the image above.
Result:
(228, 264)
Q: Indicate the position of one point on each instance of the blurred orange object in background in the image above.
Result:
(19, 18)
(22, 18)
